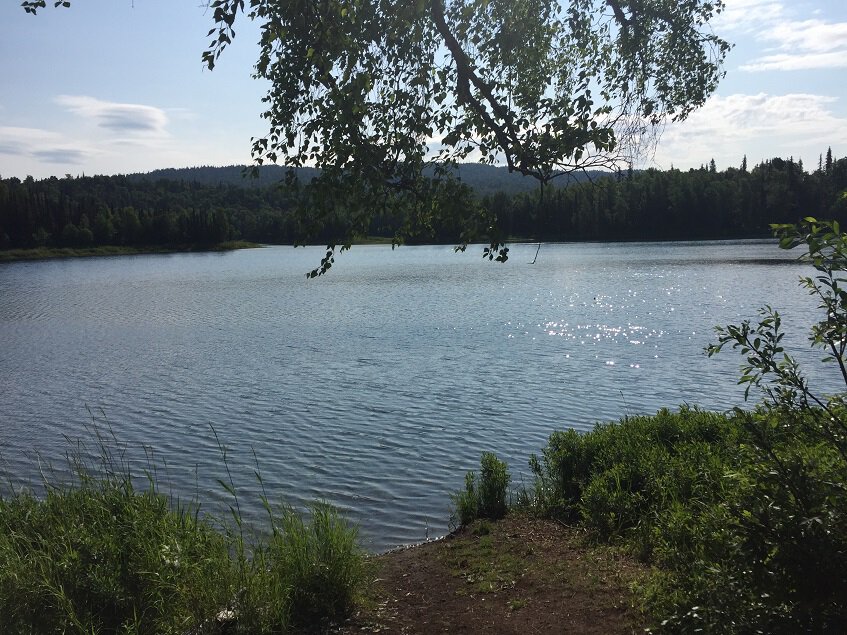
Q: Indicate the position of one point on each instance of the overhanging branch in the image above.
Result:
(505, 133)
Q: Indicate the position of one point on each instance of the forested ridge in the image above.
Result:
(200, 206)
(679, 205)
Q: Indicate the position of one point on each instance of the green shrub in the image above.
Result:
(466, 502)
(485, 496)
(614, 475)
(791, 531)
(560, 479)
(763, 557)
(744, 515)
(611, 502)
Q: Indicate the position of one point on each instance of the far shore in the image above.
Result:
(47, 253)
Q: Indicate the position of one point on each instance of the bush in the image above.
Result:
(746, 536)
(792, 527)
(614, 476)
(769, 555)
(483, 497)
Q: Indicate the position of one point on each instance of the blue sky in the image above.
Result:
(107, 87)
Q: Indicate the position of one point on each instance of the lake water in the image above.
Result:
(375, 387)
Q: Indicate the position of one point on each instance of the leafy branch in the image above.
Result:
(768, 366)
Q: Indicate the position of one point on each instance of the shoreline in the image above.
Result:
(58, 253)
(55, 253)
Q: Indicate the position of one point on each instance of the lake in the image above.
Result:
(377, 386)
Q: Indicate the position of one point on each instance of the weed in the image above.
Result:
(484, 496)
(481, 528)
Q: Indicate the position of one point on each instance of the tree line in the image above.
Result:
(121, 210)
(635, 205)
(679, 205)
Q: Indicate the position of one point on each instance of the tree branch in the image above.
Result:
(506, 134)
(619, 14)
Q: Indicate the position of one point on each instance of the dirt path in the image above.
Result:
(516, 576)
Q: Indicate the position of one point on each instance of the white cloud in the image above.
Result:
(20, 141)
(94, 136)
(17, 134)
(11, 148)
(802, 45)
(42, 145)
(101, 139)
(788, 62)
(798, 124)
(130, 119)
(789, 44)
(748, 15)
(62, 156)
(814, 36)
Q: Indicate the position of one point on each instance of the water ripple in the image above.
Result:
(376, 387)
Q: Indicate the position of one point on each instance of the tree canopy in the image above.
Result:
(372, 92)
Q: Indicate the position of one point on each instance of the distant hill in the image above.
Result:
(206, 206)
(484, 179)
(227, 175)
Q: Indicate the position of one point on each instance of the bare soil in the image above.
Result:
(519, 575)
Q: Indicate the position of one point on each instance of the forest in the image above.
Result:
(206, 206)
(679, 205)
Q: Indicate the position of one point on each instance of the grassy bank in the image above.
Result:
(45, 253)
(744, 537)
(683, 507)
(515, 576)
(98, 555)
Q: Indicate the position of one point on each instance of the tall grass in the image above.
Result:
(100, 556)
(97, 554)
